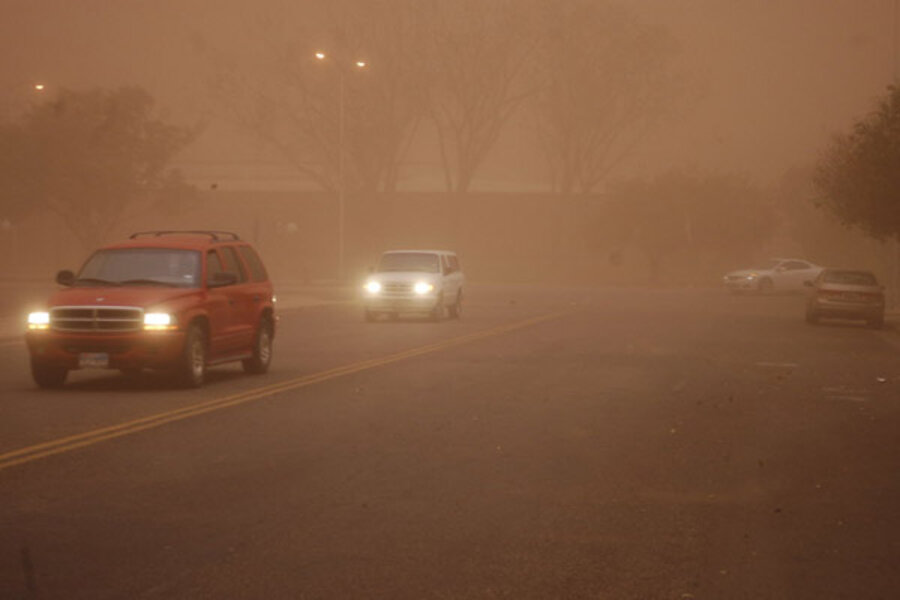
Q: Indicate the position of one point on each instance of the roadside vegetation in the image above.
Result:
(96, 159)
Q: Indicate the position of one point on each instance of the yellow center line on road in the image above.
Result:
(88, 438)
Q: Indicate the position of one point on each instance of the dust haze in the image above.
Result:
(643, 142)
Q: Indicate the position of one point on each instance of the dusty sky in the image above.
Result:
(773, 79)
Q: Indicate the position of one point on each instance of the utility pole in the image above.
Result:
(341, 194)
(341, 185)
(895, 244)
(894, 74)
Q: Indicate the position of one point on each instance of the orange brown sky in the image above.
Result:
(773, 80)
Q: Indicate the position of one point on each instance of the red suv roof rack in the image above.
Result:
(213, 234)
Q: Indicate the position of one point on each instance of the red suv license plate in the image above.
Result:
(93, 360)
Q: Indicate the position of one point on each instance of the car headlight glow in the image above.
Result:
(38, 321)
(158, 321)
(422, 287)
(373, 287)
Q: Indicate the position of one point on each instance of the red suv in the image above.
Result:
(177, 300)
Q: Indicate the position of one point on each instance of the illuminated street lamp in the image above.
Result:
(359, 65)
(14, 95)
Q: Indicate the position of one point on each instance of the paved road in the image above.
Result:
(553, 444)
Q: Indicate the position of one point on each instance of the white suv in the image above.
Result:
(415, 281)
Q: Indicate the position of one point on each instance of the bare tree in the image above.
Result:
(606, 80)
(480, 52)
(319, 114)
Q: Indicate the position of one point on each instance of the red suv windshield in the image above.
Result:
(142, 266)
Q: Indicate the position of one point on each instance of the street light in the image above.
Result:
(359, 65)
(18, 95)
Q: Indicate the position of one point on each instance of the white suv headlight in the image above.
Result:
(422, 287)
(373, 287)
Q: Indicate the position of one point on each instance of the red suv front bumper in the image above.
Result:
(152, 349)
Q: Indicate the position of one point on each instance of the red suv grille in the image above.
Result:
(110, 319)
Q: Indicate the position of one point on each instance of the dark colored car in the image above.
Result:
(846, 294)
(174, 300)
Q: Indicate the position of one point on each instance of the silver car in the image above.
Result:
(779, 274)
(845, 294)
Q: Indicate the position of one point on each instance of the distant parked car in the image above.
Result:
(415, 281)
(779, 274)
(844, 294)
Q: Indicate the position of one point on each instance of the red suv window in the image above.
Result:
(213, 265)
(257, 270)
(232, 263)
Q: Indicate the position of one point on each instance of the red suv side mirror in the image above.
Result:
(65, 278)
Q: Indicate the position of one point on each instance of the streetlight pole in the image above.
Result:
(359, 64)
(341, 208)
(10, 101)
(894, 73)
(895, 245)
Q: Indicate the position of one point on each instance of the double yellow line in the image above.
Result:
(89, 438)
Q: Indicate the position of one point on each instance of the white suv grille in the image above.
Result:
(397, 287)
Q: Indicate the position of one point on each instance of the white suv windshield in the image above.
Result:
(142, 266)
(409, 261)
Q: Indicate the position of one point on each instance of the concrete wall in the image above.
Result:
(502, 237)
